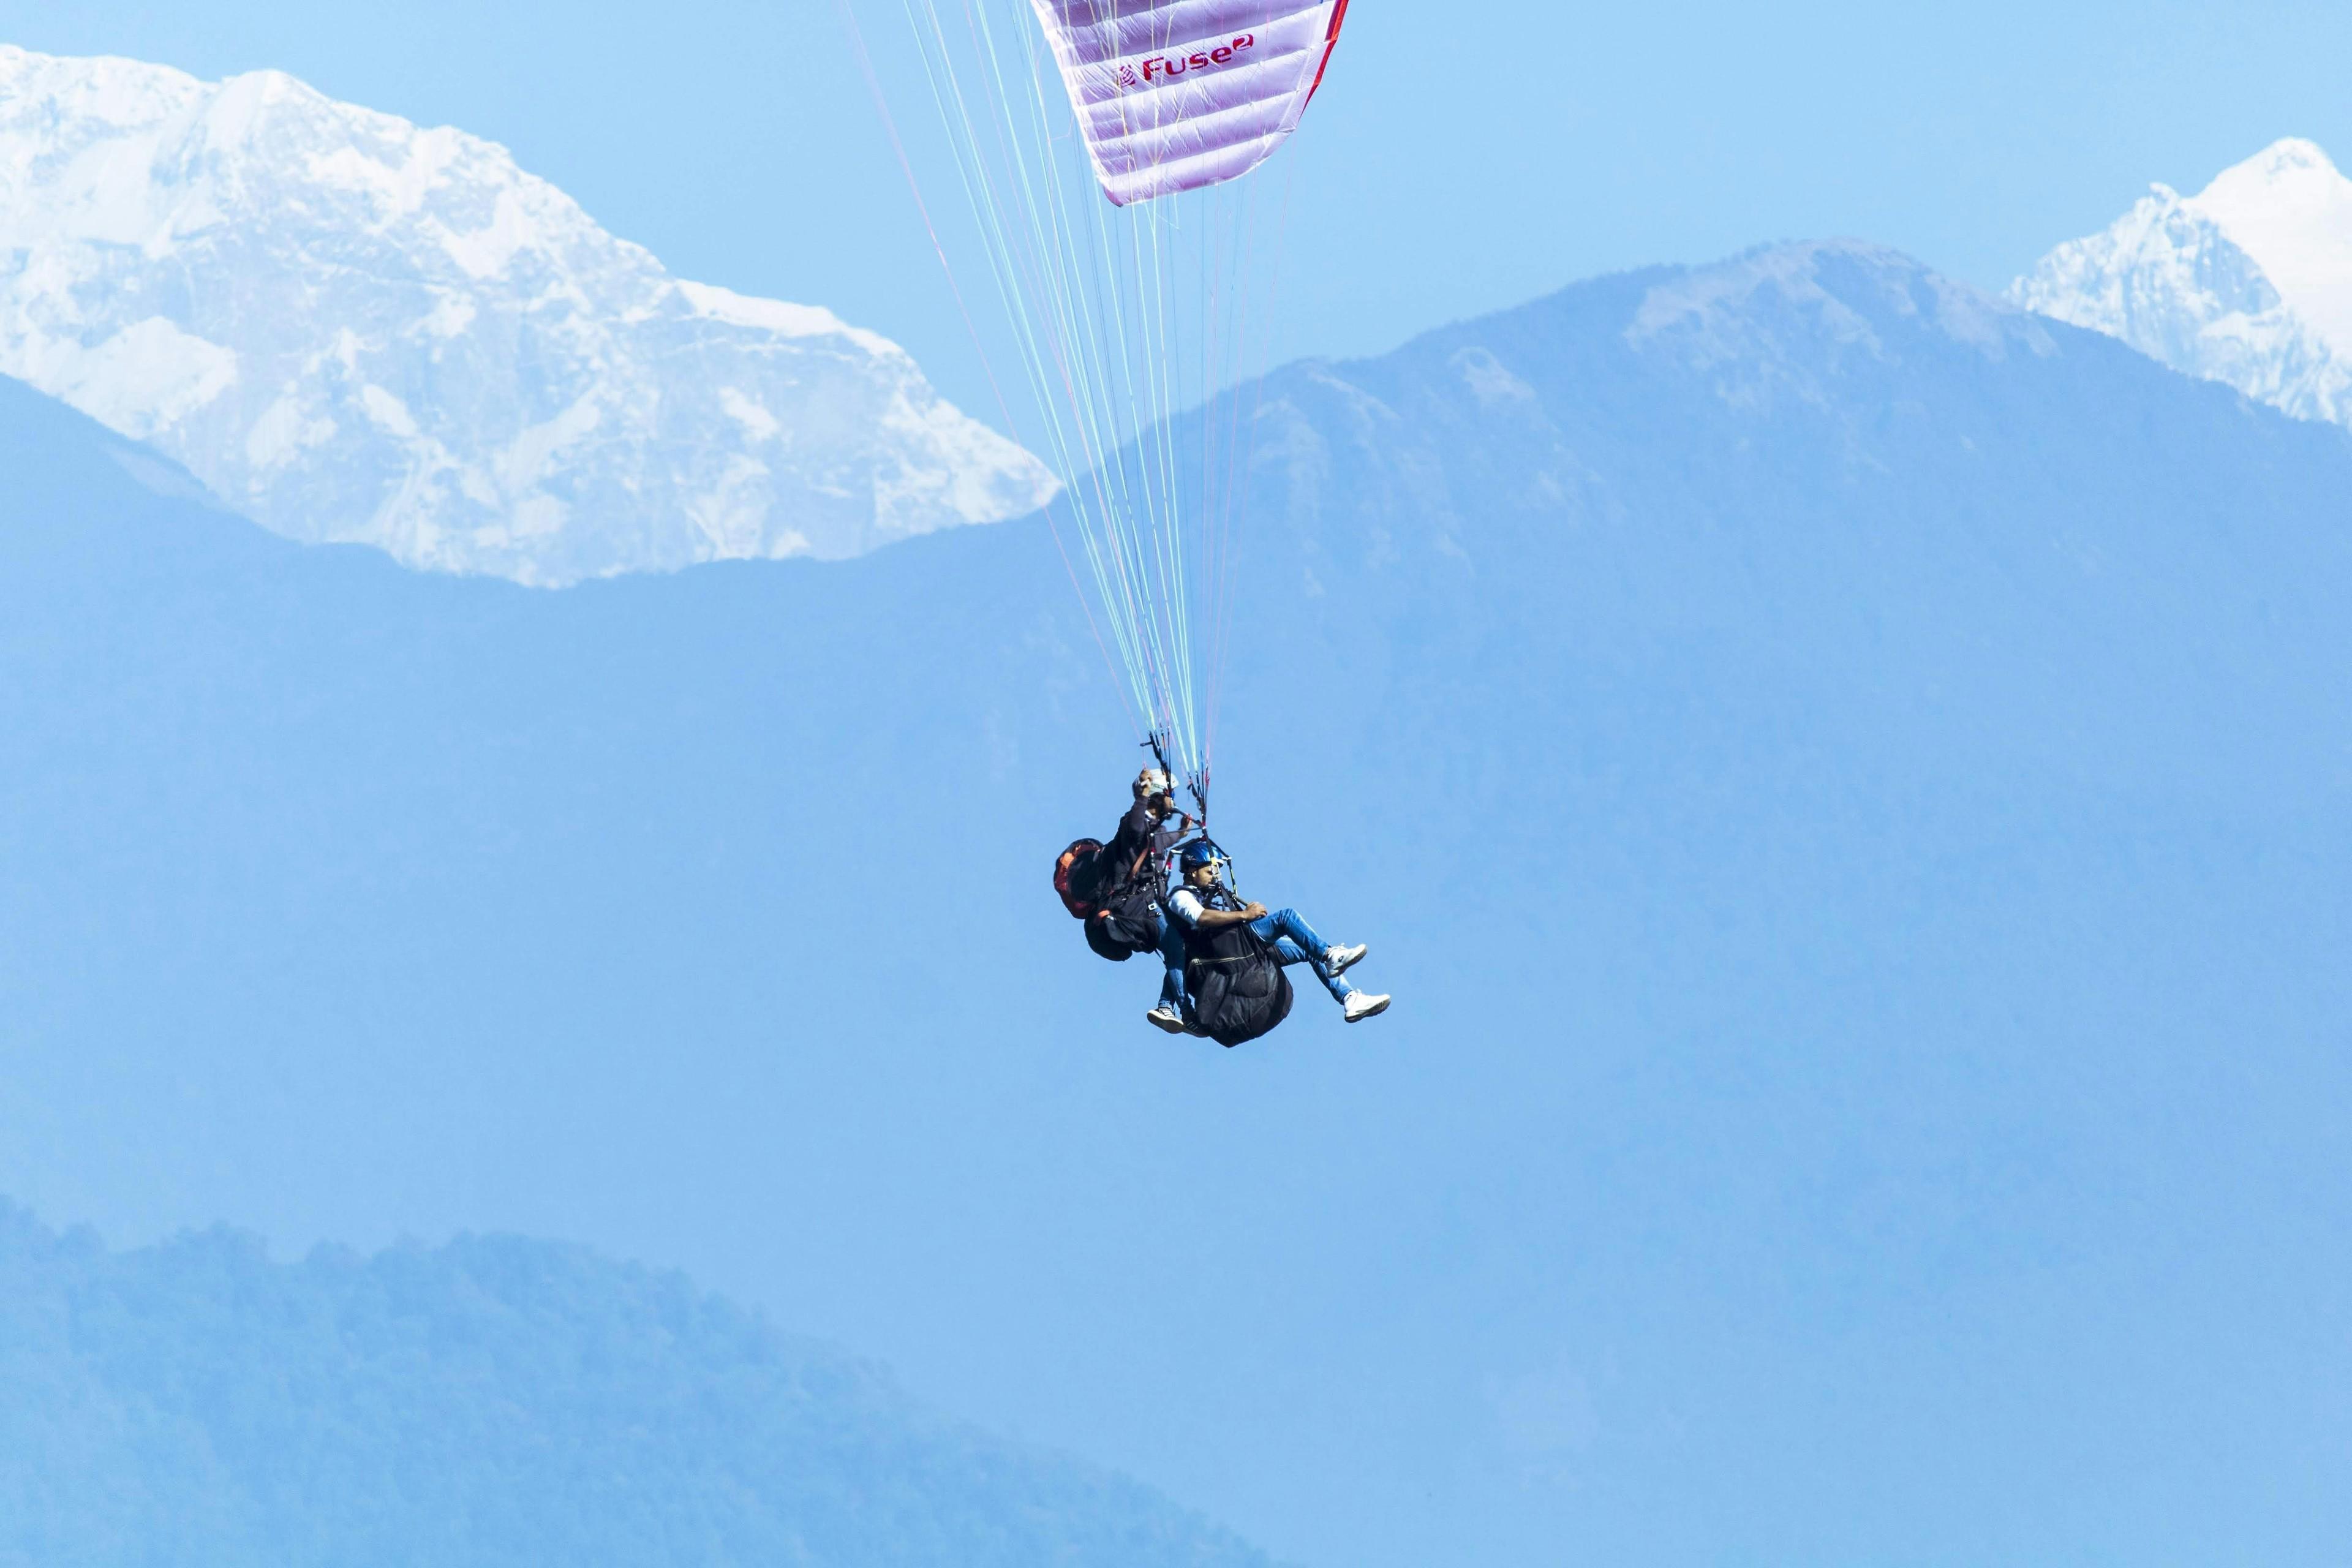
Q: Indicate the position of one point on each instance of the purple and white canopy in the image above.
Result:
(1172, 95)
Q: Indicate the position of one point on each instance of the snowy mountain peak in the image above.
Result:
(2290, 208)
(2248, 282)
(356, 328)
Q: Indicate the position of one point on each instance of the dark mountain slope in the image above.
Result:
(1847, 782)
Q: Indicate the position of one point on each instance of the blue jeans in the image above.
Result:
(1285, 930)
(1295, 941)
(1171, 954)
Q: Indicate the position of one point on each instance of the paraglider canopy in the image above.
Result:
(1172, 95)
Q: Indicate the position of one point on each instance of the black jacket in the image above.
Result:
(1134, 852)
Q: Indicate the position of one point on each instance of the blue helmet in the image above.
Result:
(1197, 854)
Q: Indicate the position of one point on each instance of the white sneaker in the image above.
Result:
(1166, 1018)
(1363, 1005)
(1339, 958)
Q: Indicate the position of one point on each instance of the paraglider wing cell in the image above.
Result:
(1172, 95)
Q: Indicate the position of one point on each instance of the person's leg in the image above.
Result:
(1172, 954)
(1289, 951)
(1292, 924)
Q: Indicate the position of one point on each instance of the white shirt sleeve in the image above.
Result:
(1185, 905)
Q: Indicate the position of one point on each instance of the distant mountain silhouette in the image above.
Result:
(1845, 780)
(493, 1401)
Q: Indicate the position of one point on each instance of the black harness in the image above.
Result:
(1233, 976)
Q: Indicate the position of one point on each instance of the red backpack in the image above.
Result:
(1078, 878)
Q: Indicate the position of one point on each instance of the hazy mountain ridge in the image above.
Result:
(2175, 279)
(355, 330)
(1844, 777)
(491, 1401)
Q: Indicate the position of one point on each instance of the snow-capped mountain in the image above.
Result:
(353, 329)
(2248, 282)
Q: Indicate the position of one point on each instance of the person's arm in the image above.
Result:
(1217, 920)
(1133, 828)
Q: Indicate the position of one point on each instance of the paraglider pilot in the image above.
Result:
(1115, 887)
(1143, 840)
(1136, 859)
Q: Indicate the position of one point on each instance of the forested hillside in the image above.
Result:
(495, 1400)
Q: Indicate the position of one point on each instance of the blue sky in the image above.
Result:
(1461, 158)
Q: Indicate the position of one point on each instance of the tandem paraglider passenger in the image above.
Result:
(1234, 953)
